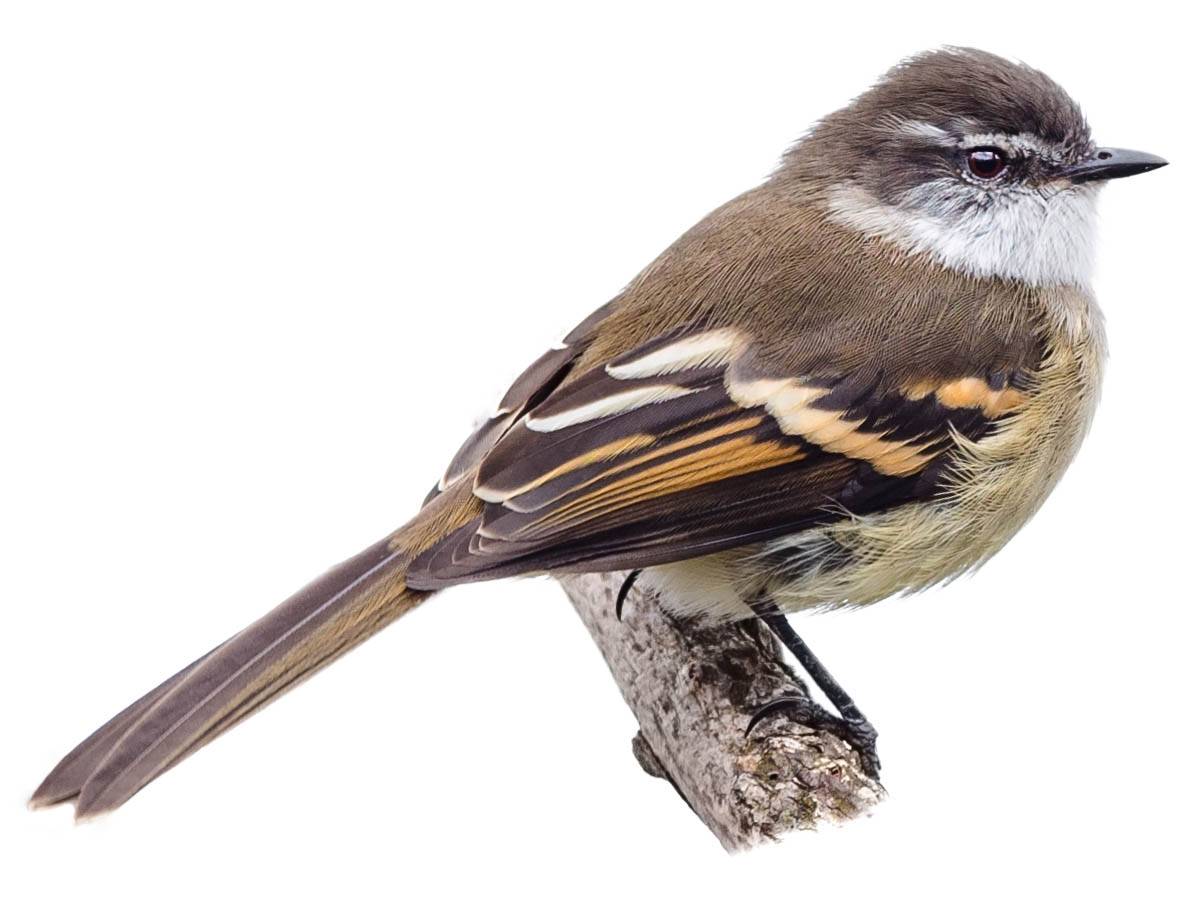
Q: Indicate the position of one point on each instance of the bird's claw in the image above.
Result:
(857, 732)
(624, 591)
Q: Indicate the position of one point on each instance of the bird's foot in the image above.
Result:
(624, 591)
(856, 731)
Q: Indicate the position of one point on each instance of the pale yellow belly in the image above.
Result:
(992, 488)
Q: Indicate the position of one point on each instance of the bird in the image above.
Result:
(857, 379)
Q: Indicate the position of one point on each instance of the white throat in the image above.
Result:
(1037, 237)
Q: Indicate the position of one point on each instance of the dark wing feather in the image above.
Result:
(529, 388)
(688, 445)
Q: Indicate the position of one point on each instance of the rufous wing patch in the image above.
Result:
(687, 470)
(639, 450)
(793, 405)
(605, 452)
(968, 392)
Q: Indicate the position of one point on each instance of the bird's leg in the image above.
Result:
(624, 591)
(851, 725)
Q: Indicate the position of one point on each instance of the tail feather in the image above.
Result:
(65, 780)
(324, 620)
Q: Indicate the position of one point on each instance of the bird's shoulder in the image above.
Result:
(813, 294)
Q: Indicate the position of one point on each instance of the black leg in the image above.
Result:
(822, 677)
(851, 725)
(624, 591)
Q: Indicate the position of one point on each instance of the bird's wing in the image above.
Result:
(692, 443)
(529, 389)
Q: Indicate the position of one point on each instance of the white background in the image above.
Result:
(262, 265)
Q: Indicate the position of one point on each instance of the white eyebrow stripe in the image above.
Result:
(700, 350)
(1008, 141)
(608, 406)
(925, 131)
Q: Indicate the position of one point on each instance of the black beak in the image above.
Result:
(1108, 162)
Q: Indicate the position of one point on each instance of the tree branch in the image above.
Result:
(693, 689)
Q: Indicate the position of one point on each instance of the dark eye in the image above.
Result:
(986, 162)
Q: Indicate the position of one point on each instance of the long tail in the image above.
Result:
(343, 607)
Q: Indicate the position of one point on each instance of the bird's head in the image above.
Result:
(985, 164)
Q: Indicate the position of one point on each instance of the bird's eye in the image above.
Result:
(986, 162)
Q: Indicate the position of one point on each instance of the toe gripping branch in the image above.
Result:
(850, 725)
(624, 591)
(693, 687)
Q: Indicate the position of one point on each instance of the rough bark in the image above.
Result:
(693, 689)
